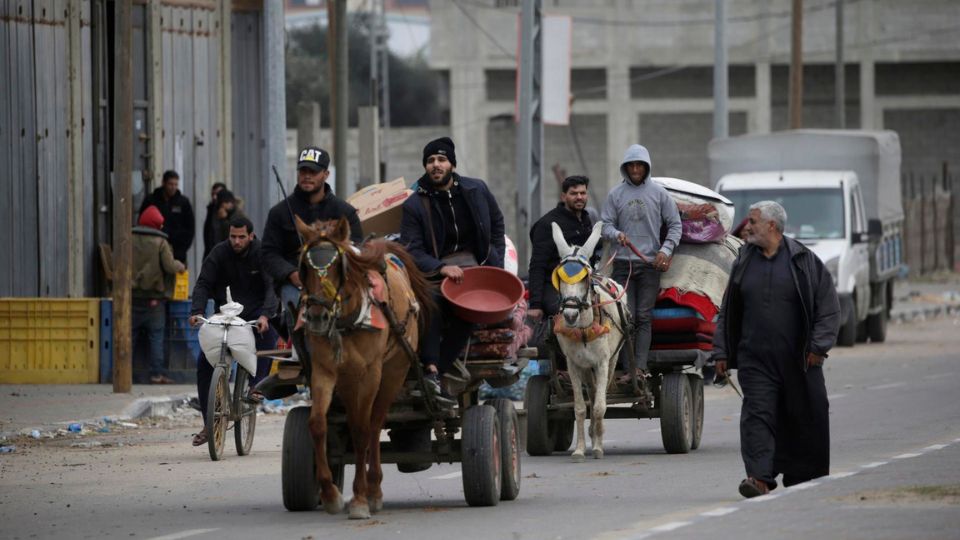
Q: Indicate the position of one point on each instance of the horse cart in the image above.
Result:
(672, 391)
(424, 427)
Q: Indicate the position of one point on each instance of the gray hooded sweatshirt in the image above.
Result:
(639, 211)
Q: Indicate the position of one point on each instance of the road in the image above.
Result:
(895, 423)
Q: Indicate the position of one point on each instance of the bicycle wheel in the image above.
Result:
(218, 412)
(245, 413)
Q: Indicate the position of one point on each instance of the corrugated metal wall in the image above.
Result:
(247, 136)
(34, 132)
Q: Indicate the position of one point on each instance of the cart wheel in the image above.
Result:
(245, 422)
(562, 434)
(540, 441)
(480, 449)
(218, 413)
(696, 392)
(509, 448)
(297, 468)
(676, 413)
(412, 440)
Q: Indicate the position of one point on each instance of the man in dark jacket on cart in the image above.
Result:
(450, 223)
(235, 263)
(779, 318)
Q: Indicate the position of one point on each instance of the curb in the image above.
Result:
(925, 312)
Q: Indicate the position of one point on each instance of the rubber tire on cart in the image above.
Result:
(696, 391)
(246, 412)
(540, 440)
(298, 475)
(480, 452)
(509, 448)
(848, 332)
(218, 413)
(412, 440)
(877, 324)
(676, 413)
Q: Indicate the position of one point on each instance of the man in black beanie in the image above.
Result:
(450, 223)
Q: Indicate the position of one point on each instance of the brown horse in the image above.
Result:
(365, 367)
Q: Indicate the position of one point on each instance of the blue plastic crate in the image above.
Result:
(106, 340)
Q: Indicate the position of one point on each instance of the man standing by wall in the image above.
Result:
(153, 270)
(177, 214)
(635, 212)
(779, 318)
(450, 223)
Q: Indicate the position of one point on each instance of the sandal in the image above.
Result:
(200, 438)
(253, 396)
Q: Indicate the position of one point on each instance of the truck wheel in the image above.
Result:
(481, 456)
(676, 413)
(540, 441)
(877, 326)
(848, 332)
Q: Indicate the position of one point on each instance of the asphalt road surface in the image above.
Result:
(895, 424)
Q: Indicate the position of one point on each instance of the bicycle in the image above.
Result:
(223, 405)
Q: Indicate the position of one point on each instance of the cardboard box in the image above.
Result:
(379, 206)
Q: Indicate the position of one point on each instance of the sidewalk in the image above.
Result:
(48, 408)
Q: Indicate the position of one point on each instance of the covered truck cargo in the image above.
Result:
(873, 155)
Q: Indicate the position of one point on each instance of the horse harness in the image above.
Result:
(573, 269)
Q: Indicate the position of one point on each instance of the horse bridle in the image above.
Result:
(319, 256)
(579, 303)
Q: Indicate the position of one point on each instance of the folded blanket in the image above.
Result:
(494, 335)
(689, 324)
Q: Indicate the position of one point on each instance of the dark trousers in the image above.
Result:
(149, 317)
(445, 337)
(264, 342)
(784, 424)
(642, 289)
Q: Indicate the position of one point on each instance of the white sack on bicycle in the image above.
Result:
(240, 340)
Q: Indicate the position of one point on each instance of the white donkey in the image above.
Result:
(591, 331)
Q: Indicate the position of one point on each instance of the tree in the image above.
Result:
(414, 87)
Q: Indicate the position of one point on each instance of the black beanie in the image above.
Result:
(443, 146)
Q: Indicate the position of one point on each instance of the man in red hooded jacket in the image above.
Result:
(154, 269)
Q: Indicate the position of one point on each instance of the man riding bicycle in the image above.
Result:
(235, 263)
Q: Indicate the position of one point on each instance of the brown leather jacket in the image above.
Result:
(154, 267)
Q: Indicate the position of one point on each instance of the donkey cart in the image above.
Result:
(489, 445)
(673, 392)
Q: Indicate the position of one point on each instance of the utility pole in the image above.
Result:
(796, 66)
(122, 199)
(840, 92)
(720, 92)
(385, 85)
(337, 42)
(530, 129)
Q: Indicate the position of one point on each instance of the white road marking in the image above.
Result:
(767, 497)
(874, 464)
(654, 430)
(842, 475)
(886, 386)
(184, 534)
(672, 526)
(836, 396)
(803, 486)
(907, 455)
(937, 376)
(720, 511)
(935, 447)
(448, 476)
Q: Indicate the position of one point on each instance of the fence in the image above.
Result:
(931, 222)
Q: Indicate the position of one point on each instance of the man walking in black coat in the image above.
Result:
(779, 318)
(450, 223)
(177, 214)
(571, 215)
(312, 201)
(235, 263)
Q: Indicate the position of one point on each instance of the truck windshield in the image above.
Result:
(811, 213)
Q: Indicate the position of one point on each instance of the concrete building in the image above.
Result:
(208, 102)
(642, 72)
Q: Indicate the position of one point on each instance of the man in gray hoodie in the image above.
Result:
(635, 213)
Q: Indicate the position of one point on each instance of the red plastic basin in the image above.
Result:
(486, 295)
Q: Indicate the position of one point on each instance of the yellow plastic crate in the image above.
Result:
(181, 287)
(49, 340)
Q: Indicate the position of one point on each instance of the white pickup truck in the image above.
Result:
(841, 191)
